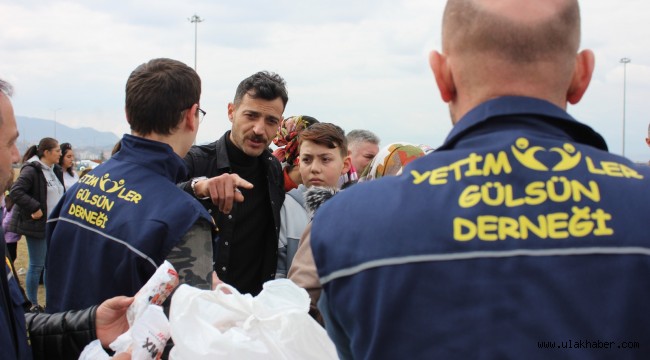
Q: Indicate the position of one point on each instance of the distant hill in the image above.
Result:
(32, 130)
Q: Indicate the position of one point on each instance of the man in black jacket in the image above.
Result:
(32, 336)
(240, 182)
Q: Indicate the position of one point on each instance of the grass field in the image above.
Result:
(22, 259)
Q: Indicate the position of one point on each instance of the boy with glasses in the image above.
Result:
(124, 218)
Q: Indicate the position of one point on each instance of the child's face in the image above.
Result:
(321, 166)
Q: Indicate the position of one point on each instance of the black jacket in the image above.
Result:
(52, 336)
(29, 194)
(212, 160)
(61, 335)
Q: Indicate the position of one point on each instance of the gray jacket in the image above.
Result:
(294, 220)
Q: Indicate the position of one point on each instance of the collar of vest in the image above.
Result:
(538, 109)
(154, 155)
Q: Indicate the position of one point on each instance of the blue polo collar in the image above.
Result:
(524, 106)
(154, 155)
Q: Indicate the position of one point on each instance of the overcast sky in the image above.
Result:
(359, 64)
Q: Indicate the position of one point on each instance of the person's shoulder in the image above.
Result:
(58, 169)
(291, 203)
(290, 196)
(30, 168)
(204, 149)
(643, 169)
(186, 202)
(297, 193)
(34, 164)
(209, 149)
(268, 156)
(363, 197)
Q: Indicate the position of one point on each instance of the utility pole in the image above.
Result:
(624, 61)
(196, 20)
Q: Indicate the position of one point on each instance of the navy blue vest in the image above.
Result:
(520, 233)
(117, 225)
(13, 334)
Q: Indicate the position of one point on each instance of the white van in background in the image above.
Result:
(84, 164)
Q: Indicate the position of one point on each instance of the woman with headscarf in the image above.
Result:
(391, 159)
(288, 150)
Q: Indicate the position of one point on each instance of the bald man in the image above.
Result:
(521, 232)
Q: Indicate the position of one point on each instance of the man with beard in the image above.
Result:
(240, 182)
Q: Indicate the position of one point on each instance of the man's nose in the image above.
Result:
(15, 156)
(258, 127)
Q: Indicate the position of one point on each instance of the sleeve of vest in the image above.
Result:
(62, 335)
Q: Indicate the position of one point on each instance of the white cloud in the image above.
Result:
(360, 64)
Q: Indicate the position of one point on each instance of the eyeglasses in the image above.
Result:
(201, 115)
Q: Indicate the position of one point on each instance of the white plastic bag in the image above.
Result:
(159, 286)
(149, 327)
(94, 351)
(273, 325)
(147, 338)
(150, 333)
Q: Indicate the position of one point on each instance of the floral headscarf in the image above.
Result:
(286, 138)
(391, 160)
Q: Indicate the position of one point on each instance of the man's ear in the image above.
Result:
(347, 164)
(647, 141)
(190, 118)
(584, 68)
(126, 114)
(231, 112)
(440, 66)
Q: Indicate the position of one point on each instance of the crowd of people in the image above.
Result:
(521, 228)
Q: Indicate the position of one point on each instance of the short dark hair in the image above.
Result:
(326, 134)
(158, 93)
(263, 84)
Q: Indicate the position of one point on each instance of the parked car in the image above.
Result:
(84, 164)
